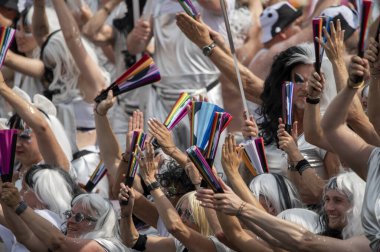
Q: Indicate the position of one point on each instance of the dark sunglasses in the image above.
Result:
(79, 217)
(185, 214)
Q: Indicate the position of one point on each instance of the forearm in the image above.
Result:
(146, 211)
(24, 65)
(136, 46)
(253, 86)
(178, 156)
(289, 235)
(93, 79)
(240, 188)
(374, 102)
(108, 145)
(40, 23)
(128, 231)
(21, 231)
(312, 127)
(95, 24)
(212, 5)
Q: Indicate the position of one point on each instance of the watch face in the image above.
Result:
(207, 51)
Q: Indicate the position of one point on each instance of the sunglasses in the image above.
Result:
(186, 214)
(79, 217)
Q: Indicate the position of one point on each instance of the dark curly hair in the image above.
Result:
(271, 97)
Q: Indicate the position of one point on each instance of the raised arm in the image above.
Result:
(285, 234)
(90, 71)
(109, 147)
(24, 65)
(350, 147)
(40, 23)
(49, 147)
(190, 238)
(96, 29)
(372, 54)
(52, 237)
(199, 34)
(139, 38)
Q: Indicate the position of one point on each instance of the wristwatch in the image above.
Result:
(152, 186)
(207, 50)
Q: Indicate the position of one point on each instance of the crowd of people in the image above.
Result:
(321, 192)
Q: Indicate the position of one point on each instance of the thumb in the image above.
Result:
(224, 186)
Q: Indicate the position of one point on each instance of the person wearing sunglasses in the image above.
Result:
(48, 190)
(91, 225)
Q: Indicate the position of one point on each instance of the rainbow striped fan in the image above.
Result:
(254, 156)
(8, 139)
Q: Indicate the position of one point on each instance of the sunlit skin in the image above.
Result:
(336, 206)
(300, 75)
(76, 230)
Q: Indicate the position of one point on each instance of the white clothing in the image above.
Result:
(219, 246)
(371, 203)
(111, 244)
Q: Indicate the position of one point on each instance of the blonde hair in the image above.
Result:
(198, 211)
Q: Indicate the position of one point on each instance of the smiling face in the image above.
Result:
(336, 205)
(77, 227)
(300, 75)
(24, 38)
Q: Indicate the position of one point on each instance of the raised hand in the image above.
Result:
(316, 85)
(334, 46)
(231, 156)
(358, 68)
(287, 142)
(142, 30)
(162, 135)
(10, 195)
(228, 202)
(103, 107)
(126, 195)
(135, 123)
(147, 165)
(250, 128)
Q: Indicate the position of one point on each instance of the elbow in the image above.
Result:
(42, 127)
(175, 227)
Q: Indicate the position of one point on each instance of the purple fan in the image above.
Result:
(8, 140)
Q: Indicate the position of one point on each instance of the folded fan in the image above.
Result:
(254, 156)
(96, 176)
(138, 138)
(6, 37)
(189, 8)
(287, 104)
(364, 14)
(142, 73)
(8, 139)
(204, 169)
(317, 33)
(178, 112)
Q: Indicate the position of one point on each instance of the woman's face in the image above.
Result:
(300, 76)
(186, 214)
(27, 151)
(267, 205)
(24, 38)
(80, 221)
(336, 206)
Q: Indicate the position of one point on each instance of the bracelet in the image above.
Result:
(313, 101)
(140, 243)
(353, 85)
(21, 207)
(302, 165)
(241, 208)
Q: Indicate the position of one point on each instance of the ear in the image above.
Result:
(282, 35)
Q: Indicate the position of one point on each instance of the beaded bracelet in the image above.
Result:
(241, 208)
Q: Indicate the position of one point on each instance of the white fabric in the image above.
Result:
(219, 246)
(161, 228)
(371, 204)
(112, 244)
(10, 242)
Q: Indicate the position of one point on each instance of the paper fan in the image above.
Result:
(189, 8)
(96, 176)
(8, 139)
(317, 33)
(204, 169)
(287, 104)
(138, 138)
(254, 156)
(364, 14)
(6, 37)
(142, 73)
(178, 112)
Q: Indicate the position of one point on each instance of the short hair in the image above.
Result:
(53, 186)
(276, 188)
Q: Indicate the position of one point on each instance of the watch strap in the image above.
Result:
(152, 186)
(22, 206)
(207, 50)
